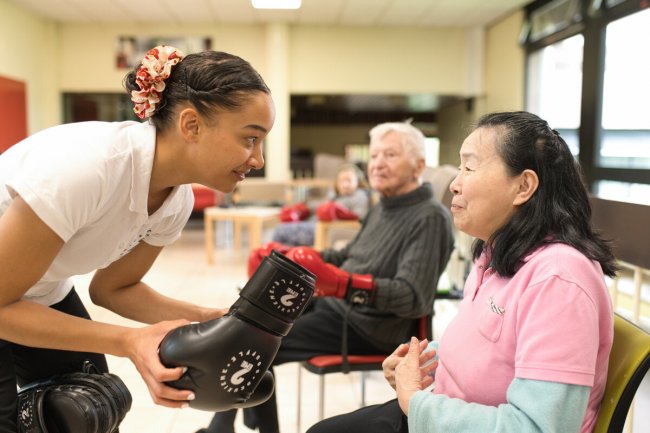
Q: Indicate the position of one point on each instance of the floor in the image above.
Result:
(182, 272)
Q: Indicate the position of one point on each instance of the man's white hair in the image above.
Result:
(412, 138)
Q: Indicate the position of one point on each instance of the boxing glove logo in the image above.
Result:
(287, 300)
(238, 378)
(287, 296)
(241, 371)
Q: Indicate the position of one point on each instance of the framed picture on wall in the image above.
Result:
(130, 49)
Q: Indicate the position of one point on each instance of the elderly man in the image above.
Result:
(376, 287)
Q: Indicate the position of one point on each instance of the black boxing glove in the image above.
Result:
(228, 358)
(82, 402)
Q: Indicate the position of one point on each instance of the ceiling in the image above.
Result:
(440, 13)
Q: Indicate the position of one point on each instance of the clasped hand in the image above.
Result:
(409, 369)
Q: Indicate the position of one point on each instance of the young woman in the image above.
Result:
(529, 348)
(108, 197)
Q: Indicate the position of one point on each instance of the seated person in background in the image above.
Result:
(351, 202)
(395, 261)
(529, 348)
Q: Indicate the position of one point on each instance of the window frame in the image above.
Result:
(594, 18)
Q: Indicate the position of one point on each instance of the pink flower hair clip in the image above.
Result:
(155, 69)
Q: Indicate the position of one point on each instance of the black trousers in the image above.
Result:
(381, 418)
(20, 365)
(319, 331)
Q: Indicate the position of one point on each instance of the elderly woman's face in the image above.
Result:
(484, 193)
(391, 171)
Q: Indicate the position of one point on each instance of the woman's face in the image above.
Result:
(391, 171)
(346, 182)
(231, 143)
(484, 194)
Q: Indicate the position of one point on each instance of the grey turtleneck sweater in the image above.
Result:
(404, 243)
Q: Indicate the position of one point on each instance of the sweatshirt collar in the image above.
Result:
(421, 193)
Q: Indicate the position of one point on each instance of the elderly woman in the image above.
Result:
(528, 351)
(401, 250)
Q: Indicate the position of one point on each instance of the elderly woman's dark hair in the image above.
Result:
(559, 211)
(208, 80)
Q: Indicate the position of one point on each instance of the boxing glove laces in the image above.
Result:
(333, 281)
(228, 358)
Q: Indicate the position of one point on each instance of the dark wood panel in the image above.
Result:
(627, 225)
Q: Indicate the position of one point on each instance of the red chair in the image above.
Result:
(205, 197)
(325, 364)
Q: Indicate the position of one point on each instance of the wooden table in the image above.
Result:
(253, 216)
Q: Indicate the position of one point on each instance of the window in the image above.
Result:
(432, 151)
(587, 74)
(553, 17)
(623, 191)
(625, 135)
(555, 87)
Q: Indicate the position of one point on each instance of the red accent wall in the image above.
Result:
(13, 112)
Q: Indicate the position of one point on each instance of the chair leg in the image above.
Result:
(298, 403)
(321, 391)
(363, 389)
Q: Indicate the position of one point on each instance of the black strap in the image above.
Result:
(345, 365)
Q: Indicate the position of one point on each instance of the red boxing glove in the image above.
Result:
(333, 281)
(297, 212)
(255, 257)
(332, 211)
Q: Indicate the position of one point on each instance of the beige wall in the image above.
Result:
(504, 66)
(378, 60)
(55, 58)
(503, 83)
(321, 59)
(29, 53)
(85, 46)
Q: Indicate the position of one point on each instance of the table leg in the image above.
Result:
(255, 233)
(236, 233)
(319, 236)
(209, 237)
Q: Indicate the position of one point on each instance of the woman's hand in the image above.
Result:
(213, 313)
(410, 376)
(142, 346)
(394, 359)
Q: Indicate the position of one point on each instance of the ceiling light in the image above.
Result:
(276, 4)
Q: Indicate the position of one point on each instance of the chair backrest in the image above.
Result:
(326, 165)
(629, 361)
(262, 192)
(425, 327)
(440, 178)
